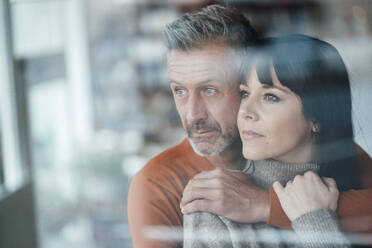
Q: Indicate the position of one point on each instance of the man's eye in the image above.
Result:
(179, 91)
(271, 98)
(243, 94)
(210, 91)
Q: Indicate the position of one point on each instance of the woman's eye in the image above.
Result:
(243, 94)
(210, 91)
(271, 98)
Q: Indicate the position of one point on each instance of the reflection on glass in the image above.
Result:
(100, 105)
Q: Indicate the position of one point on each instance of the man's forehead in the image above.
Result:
(209, 51)
(199, 73)
(206, 63)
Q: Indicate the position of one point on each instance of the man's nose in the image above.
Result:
(196, 109)
(248, 110)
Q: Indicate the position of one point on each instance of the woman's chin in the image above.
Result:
(253, 154)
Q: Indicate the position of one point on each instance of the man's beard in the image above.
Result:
(214, 146)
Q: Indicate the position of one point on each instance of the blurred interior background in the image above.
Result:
(85, 103)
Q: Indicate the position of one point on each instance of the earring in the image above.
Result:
(315, 127)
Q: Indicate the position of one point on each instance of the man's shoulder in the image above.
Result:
(363, 166)
(175, 154)
(171, 157)
(178, 159)
(156, 190)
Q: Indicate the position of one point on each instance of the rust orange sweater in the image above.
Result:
(156, 191)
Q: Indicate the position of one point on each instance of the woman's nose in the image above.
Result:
(248, 110)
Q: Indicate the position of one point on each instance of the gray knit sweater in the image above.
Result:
(317, 229)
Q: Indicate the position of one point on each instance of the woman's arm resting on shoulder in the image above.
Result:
(354, 214)
(307, 193)
(310, 202)
(354, 206)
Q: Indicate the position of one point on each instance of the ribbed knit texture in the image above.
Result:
(317, 229)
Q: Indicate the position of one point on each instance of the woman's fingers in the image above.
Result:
(200, 193)
(312, 176)
(333, 190)
(202, 205)
(330, 182)
(205, 183)
(217, 181)
(219, 173)
(278, 188)
(210, 174)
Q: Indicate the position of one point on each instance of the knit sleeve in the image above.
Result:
(319, 229)
(203, 230)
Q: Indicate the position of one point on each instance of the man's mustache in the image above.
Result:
(202, 125)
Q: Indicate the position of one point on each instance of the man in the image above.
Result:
(204, 81)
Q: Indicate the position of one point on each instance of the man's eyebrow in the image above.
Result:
(171, 81)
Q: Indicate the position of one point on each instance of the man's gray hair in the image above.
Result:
(212, 23)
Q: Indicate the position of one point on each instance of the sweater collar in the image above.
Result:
(265, 172)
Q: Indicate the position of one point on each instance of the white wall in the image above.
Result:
(357, 54)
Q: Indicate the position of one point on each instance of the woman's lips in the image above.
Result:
(249, 135)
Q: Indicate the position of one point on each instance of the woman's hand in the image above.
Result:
(307, 193)
(226, 193)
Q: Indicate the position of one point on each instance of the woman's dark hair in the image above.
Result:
(315, 71)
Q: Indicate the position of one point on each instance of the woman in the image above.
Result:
(295, 117)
